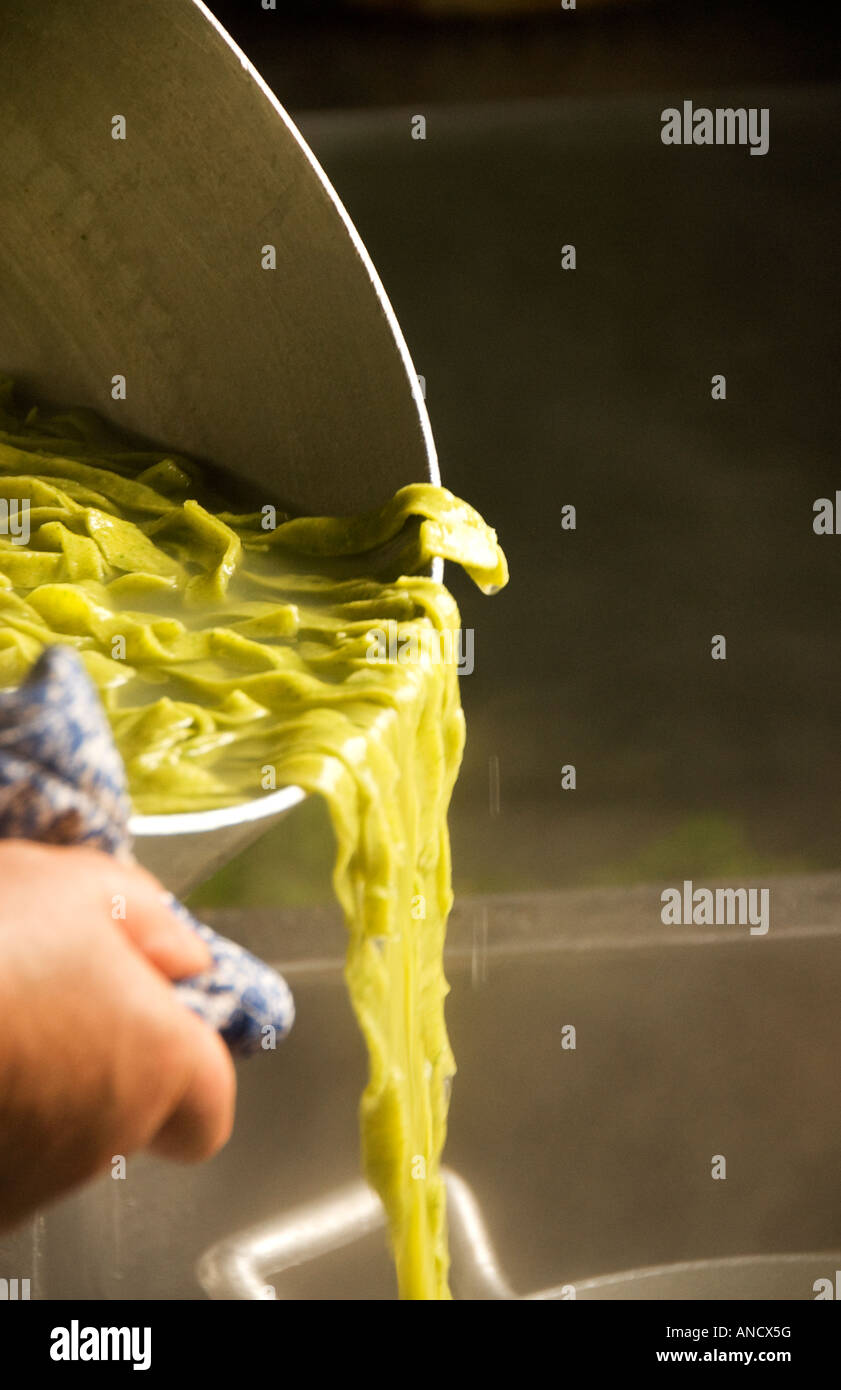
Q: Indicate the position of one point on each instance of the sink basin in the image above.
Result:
(585, 1169)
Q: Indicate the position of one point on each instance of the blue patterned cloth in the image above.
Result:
(62, 781)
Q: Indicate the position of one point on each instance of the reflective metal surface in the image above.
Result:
(237, 1268)
(143, 257)
(589, 1167)
(184, 850)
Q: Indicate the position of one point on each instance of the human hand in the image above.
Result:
(97, 1054)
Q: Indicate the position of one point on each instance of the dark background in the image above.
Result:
(329, 54)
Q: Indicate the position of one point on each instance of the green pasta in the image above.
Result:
(235, 653)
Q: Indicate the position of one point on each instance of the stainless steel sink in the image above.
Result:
(578, 1165)
(589, 1169)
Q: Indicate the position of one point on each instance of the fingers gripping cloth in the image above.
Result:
(62, 782)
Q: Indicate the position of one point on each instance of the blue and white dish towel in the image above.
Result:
(62, 782)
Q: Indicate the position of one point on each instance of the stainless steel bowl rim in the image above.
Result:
(223, 818)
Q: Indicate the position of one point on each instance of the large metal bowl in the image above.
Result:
(143, 257)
